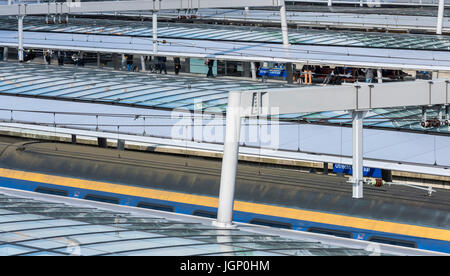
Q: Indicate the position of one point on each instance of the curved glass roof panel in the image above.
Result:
(91, 231)
(171, 92)
(235, 33)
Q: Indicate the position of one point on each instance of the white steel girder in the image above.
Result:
(356, 99)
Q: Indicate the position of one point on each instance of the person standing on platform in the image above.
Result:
(75, 58)
(29, 55)
(61, 56)
(81, 59)
(210, 63)
(129, 59)
(369, 75)
(48, 57)
(162, 65)
(177, 63)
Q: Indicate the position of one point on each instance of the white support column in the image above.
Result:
(155, 33)
(253, 69)
(330, 3)
(434, 75)
(357, 129)
(247, 10)
(143, 63)
(379, 76)
(98, 61)
(5, 54)
(440, 17)
(123, 63)
(20, 37)
(284, 27)
(229, 161)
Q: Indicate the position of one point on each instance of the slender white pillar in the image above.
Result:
(155, 32)
(247, 11)
(284, 27)
(379, 76)
(143, 63)
(360, 3)
(253, 69)
(330, 3)
(20, 36)
(9, 2)
(229, 161)
(434, 75)
(357, 129)
(440, 17)
(5, 54)
(98, 60)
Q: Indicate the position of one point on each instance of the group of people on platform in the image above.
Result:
(159, 64)
(61, 56)
(337, 75)
(78, 59)
(305, 75)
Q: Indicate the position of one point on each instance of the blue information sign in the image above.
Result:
(272, 72)
(347, 169)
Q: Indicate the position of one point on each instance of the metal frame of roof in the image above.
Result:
(174, 92)
(34, 224)
(312, 18)
(238, 51)
(32, 228)
(235, 34)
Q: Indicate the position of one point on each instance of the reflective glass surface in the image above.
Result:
(236, 33)
(31, 231)
(174, 92)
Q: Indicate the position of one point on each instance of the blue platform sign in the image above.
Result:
(347, 169)
(272, 72)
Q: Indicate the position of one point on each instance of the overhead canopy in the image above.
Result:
(113, 6)
(239, 51)
(43, 227)
(169, 92)
(351, 18)
(235, 33)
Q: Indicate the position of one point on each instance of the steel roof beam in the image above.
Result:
(348, 97)
(355, 99)
(238, 56)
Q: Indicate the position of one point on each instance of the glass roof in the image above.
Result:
(30, 227)
(119, 87)
(235, 33)
(173, 92)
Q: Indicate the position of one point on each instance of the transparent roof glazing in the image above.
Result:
(235, 33)
(170, 92)
(32, 228)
